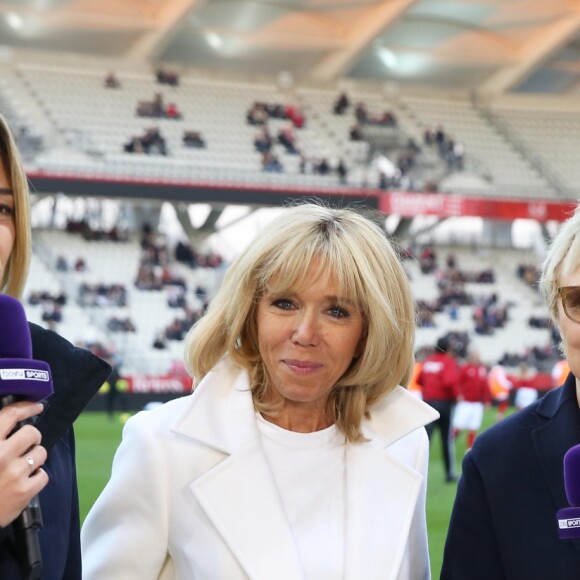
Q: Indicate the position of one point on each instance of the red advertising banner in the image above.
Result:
(412, 204)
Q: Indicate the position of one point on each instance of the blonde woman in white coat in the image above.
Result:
(298, 456)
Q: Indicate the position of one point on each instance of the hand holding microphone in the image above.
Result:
(21, 458)
(569, 518)
(23, 383)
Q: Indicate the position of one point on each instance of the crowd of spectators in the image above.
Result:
(488, 313)
(167, 77)
(151, 142)
(363, 117)
(185, 254)
(102, 295)
(450, 150)
(51, 305)
(88, 233)
(157, 108)
(260, 113)
(121, 324)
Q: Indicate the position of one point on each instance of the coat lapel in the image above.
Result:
(381, 498)
(239, 494)
(240, 498)
(382, 491)
(552, 439)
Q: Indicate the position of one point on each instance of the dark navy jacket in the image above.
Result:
(504, 525)
(77, 375)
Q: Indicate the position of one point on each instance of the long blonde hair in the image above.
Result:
(368, 272)
(16, 270)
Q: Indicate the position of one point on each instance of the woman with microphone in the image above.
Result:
(39, 459)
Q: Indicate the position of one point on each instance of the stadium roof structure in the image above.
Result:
(488, 46)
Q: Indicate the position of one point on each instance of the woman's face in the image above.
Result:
(7, 232)
(570, 330)
(307, 338)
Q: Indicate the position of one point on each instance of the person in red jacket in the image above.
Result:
(473, 396)
(438, 380)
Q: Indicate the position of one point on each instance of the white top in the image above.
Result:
(310, 473)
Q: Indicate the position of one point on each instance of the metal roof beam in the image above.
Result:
(151, 44)
(364, 31)
(535, 52)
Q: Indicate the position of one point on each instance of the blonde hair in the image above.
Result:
(563, 258)
(16, 269)
(368, 272)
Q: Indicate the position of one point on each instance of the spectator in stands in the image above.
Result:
(154, 108)
(271, 163)
(386, 119)
(263, 141)
(361, 114)
(355, 133)
(425, 315)
(159, 342)
(439, 383)
(151, 142)
(38, 459)
(504, 521)
(51, 312)
(322, 167)
(172, 111)
(342, 171)
(427, 260)
(175, 330)
(176, 296)
(297, 363)
(295, 115)
(165, 77)
(257, 114)
(287, 139)
(184, 253)
(193, 139)
(341, 104)
(111, 81)
(61, 264)
(80, 265)
(473, 396)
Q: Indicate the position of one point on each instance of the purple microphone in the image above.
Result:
(22, 379)
(569, 518)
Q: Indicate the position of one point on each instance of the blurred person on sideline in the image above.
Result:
(473, 396)
(298, 455)
(500, 387)
(25, 468)
(560, 372)
(115, 393)
(438, 379)
(414, 387)
(525, 393)
(503, 523)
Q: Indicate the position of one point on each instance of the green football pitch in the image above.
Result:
(97, 438)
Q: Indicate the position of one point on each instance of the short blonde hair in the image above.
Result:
(369, 273)
(563, 258)
(16, 270)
